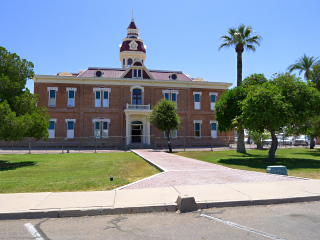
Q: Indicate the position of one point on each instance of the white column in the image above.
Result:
(128, 129)
(148, 132)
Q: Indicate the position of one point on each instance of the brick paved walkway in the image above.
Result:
(179, 171)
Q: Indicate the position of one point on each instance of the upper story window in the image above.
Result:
(136, 97)
(136, 73)
(197, 100)
(171, 95)
(213, 97)
(52, 96)
(71, 96)
(101, 94)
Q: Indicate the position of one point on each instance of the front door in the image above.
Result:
(136, 131)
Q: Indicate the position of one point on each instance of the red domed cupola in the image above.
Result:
(132, 46)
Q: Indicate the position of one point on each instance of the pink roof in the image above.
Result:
(159, 75)
(117, 72)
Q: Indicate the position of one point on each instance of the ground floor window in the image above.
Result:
(173, 134)
(213, 129)
(70, 127)
(52, 127)
(101, 127)
(197, 128)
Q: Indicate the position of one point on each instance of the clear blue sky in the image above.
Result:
(180, 35)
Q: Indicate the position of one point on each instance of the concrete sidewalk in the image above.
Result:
(211, 185)
(75, 204)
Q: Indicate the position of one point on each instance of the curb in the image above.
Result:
(81, 212)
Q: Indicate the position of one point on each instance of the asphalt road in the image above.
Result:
(285, 221)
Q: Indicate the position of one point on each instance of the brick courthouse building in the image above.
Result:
(112, 104)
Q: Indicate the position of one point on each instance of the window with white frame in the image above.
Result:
(197, 100)
(97, 129)
(213, 97)
(98, 99)
(71, 96)
(101, 127)
(70, 127)
(101, 93)
(52, 96)
(136, 73)
(105, 98)
(173, 134)
(52, 127)
(137, 95)
(171, 95)
(213, 129)
(197, 128)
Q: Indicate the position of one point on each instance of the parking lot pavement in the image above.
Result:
(286, 221)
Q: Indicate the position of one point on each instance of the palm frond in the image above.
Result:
(249, 47)
(241, 35)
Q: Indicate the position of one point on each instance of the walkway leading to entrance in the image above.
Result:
(180, 171)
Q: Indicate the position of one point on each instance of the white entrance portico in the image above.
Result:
(137, 126)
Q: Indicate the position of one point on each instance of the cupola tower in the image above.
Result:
(132, 47)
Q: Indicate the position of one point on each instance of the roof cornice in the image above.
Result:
(129, 82)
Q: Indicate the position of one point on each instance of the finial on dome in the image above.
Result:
(132, 19)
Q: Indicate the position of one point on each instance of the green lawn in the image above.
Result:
(70, 172)
(300, 162)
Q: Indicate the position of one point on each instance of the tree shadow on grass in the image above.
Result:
(263, 163)
(314, 153)
(6, 165)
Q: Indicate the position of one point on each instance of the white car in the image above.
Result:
(302, 140)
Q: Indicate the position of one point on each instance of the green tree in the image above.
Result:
(268, 105)
(278, 103)
(228, 109)
(314, 77)
(305, 63)
(165, 118)
(241, 38)
(19, 115)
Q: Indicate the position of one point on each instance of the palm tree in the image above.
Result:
(242, 38)
(305, 63)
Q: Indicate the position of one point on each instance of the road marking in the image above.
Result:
(33, 231)
(242, 227)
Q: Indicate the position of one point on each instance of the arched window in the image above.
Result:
(129, 62)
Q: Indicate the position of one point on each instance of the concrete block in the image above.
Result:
(186, 204)
(281, 170)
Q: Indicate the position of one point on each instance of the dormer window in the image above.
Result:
(136, 73)
(98, 73)
(173, 76)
